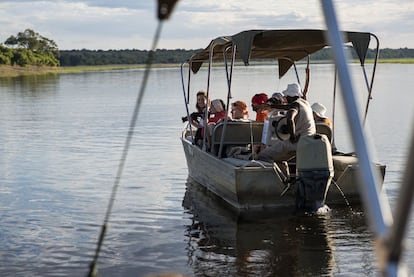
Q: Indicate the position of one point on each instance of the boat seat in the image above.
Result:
(236, 133)
(323, 128)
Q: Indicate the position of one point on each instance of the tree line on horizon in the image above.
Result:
(177, 56)
(119, 57)
(30, 48)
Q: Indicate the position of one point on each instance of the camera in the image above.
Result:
(193, 116)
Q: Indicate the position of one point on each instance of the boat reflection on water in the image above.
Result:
(226, 243)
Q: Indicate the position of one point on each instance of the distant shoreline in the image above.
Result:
(15, 71)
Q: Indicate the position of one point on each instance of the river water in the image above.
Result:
(61, 140)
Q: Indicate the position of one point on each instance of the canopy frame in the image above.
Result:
(283, 45)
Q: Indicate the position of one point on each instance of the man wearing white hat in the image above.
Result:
(300, 122)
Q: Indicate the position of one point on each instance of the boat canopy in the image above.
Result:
(287, 46)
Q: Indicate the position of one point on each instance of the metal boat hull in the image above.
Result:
(248, 187)
(242, 187)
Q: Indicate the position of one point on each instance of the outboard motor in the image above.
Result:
(314, 171)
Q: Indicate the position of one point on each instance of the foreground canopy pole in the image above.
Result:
(93, 270)
(164, 10)
(378, 210)
(403, 208)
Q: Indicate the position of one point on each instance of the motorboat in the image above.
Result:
(288, 47)
(318, 174)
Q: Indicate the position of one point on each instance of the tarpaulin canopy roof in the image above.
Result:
(287, 46)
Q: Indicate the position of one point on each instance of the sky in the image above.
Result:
(131, 24)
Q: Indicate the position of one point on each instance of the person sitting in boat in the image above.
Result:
(197, 117)
(239, 111)
(299, 122)
(278, 98)
(319, 115)
(323, 123)
(201, 107)
(259, 106)
(217, 113)
(201, 104)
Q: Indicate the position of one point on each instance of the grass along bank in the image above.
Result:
(14, 71)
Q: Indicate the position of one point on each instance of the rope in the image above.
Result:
(151, 54)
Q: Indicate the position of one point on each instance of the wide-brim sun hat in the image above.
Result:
(293, 90)
(319, 109)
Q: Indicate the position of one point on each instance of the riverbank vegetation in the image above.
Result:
(31, 53)
(14, 71)
(177, 56)
(29, 48)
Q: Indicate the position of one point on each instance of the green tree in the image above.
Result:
(39, 49)
(6, 55)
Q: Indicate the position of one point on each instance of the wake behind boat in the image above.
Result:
(316, 174)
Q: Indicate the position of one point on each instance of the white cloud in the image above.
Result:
(77, 25)
(127, 24)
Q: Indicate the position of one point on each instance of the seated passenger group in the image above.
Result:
(300, 118)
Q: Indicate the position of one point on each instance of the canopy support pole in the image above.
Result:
(307, 81)
(229, 76)
(369, 86)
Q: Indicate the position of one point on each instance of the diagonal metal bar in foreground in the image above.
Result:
(165, 8)
(388, 236)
